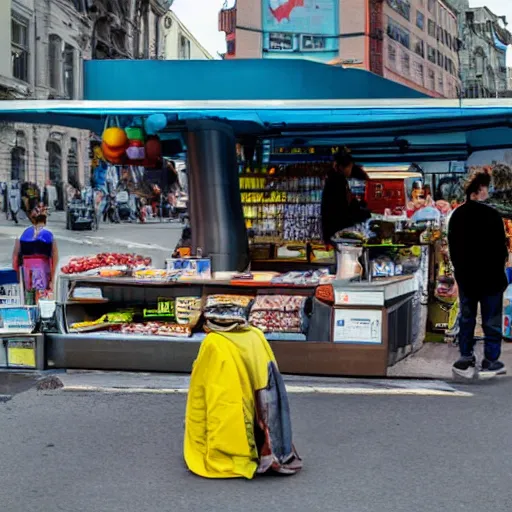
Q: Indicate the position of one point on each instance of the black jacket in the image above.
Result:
(478, 249)
(339, 210)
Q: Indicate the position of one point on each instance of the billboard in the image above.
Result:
(317, 17)
(300, 27)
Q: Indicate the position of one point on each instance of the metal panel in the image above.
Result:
(216, 215)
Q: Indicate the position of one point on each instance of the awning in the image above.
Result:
(376, 130)
(240, 79)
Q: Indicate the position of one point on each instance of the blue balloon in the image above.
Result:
(154, 123)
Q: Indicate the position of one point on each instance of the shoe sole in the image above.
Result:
(487, 375)
(468, 374)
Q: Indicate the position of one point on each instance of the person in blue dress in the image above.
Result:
(35, 257)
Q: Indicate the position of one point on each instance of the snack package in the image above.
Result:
(188, 310)
(226, 311)
(278, 313)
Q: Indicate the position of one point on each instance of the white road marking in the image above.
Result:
(325, 390)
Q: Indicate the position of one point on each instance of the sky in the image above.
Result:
(201, 18)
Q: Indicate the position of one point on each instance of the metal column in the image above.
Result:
(216, 215)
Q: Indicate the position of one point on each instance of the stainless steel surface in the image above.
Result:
(216, 215)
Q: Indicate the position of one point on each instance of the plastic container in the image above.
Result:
(507, 312)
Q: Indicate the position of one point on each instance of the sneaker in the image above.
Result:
(491, 369)
(465, 367)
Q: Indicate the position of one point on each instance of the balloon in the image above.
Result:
(154, 123)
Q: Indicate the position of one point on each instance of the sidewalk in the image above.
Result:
(434, 361)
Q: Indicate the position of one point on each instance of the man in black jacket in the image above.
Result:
(339, 209)
(478, 250)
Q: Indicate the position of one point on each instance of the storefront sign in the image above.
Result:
(357, 326)
(351, 298)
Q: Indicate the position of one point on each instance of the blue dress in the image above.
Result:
(36, 248)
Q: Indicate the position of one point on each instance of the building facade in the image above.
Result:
(42, 46)
(414, 42)
(179, 43)
(483, 55)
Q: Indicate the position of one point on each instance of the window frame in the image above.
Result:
(22, 48)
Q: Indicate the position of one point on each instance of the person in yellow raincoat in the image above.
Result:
(237, 420)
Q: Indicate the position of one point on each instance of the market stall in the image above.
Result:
(393, 131)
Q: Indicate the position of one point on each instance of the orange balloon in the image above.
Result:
(115, 137)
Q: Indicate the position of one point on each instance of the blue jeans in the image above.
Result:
(492, 312)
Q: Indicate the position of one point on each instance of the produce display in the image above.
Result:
(79, 265)
(278, 313)
(156, 329)
(102, 323)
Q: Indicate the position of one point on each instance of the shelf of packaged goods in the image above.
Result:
(126, 281)
(287, 203)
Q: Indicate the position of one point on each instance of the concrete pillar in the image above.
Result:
(215, 207)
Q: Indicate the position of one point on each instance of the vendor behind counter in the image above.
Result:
(339, 208)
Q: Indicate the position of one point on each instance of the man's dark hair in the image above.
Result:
(343, 157)
(478, 180)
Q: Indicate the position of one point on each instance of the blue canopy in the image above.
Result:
(375, 130)
(246, 79)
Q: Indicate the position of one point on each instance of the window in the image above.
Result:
(69, 71)
(406, 63)
(431, 28)
(281, 42)
(54, 161)
(431, 6)
(398, 33)
(431, 54)
(231, 47)
(440, 83)
(54, 61)
(418, 73)
(440, 59)
(439, 34)
(431, 80)
(419, 47)
(402, 7)
(19, 48)
(392, 54)
(313, 43)
(449, 41)
(184, 48)
(420, 20)
(73, 163)
(18, 159)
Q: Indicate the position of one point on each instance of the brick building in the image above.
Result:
(414, 42)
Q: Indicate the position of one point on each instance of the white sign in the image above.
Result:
(357, 326)
(363, 298)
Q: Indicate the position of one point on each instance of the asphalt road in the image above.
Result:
(123, 453)
(156, 239)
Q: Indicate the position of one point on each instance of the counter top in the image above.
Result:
(375, 293)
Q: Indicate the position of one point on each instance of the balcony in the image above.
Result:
(227, 20)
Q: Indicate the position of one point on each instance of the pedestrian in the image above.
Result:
(35, 256)
(339, 209)
(14, 201)
(478, 251)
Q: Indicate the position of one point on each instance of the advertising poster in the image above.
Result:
(358, 326)
(300, 16)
